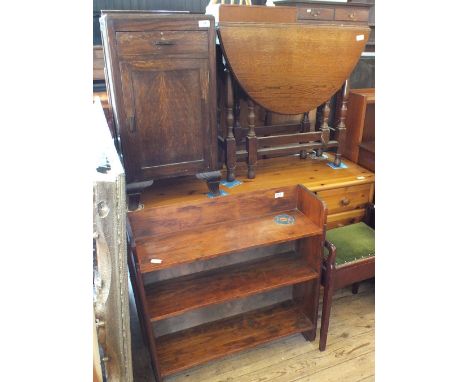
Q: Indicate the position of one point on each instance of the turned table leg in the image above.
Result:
(230, 141)
(251, 141)
(324, 127)
(341, 129)
(305, 127)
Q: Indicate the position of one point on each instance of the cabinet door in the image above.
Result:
(166, 130)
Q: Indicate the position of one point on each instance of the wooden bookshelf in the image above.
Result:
(196, 231)
(198, 244)
(217, 339)
(179, 295)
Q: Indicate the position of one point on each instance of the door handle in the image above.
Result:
(131, 123)
(163, 42)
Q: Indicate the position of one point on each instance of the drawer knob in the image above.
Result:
(316, 14)
(352, 15)
(344, 201)
(163, 42)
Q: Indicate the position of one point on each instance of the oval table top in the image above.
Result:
(291, 68)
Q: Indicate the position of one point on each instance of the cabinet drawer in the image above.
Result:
(353, 14)
(162, 42)
(346, 198)
(345, 218)
(315, 13)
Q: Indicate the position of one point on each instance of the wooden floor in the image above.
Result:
(349, 356)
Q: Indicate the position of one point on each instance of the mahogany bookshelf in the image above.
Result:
(168, 236)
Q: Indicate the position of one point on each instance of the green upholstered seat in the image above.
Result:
(353, 242)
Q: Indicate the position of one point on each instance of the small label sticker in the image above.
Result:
(279, 195)
(206, 24)
(359, 37)
(155, 261)
(361, 177)
(309, 10)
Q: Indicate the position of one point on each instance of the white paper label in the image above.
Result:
(156, 261)
(279, 195)
(205, 24)
(309, 10)
(359, 37)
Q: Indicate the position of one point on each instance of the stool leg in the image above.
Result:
(355, 288)
(326, 308)
(328, 281)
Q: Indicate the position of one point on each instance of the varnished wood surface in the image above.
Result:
(368, 146)
(161, 77)
(166, 219)
(367, 155)
(179, 295)
(206, 242)
(276, 172)
(349, 356)
(346, 198)
(203, 343)
(280, 68)
(344, 218)
(256, 14)
(360, 121)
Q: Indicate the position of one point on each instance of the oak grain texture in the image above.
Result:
(161, 80)
(210, 341)
(297, 79)
(336, 12)
(162, 42)
(179, 295)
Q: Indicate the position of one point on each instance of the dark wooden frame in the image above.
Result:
(151, 52)
(251, 143)
(334, 278)
(256, 142)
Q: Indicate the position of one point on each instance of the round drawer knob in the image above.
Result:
(344, 201)
(352, 15)
(316, 14)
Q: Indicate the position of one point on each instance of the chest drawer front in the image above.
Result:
(315, 14)
(361, 15)
(345, 218)
(346, 198)
(162, 42)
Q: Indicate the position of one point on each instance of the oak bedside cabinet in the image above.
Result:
(160, 75)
